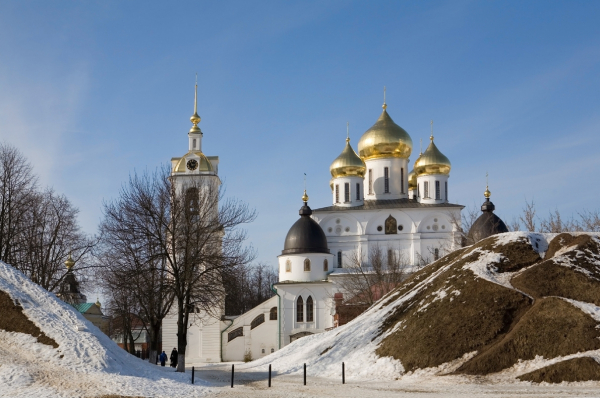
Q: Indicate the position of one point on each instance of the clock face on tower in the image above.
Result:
(192, 164)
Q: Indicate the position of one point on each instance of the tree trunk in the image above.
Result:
(182, 321)
(154, 331)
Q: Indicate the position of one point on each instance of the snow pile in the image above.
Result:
(86, 363)
(492, 310)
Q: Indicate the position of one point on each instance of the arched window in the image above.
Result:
(194, 144)
(325, 265)
(446, 191)
(436, 254)
(288, 265)
(309, 310)
(346, 192)
(273, 314)
(300, 310)
(192, 199)
(370, 181)
(339, 259)
(402, 180)
(337, 193)
(391, 225)
(437, 190)
(257, 321)
(357, 191)
(386, 180)
(306, 264)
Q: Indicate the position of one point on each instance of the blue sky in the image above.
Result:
(91, 91)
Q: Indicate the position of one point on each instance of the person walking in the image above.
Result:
(163, 359)
(174, 358)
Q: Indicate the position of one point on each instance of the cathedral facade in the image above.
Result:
(379, 202)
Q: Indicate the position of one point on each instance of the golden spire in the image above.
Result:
(431, 136)
(195, 119)
(384, 106)
(98, 303)
(347, 131)
(305, 196)
(421, 148)
(487, 192)
(69, 263)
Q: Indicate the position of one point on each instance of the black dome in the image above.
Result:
(305, 236)
(487, 224)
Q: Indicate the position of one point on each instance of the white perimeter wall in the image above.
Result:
(260, 341)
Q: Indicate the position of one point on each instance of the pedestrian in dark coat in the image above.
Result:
(174, 358)
(163, 359)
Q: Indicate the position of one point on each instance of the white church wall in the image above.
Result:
(292, 267)
(258, 341)
(398, 187)
(339, 198)
(322, 295)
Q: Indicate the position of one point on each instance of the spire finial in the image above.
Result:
(487, 192)
(431, 137)
(384, 106)
(195, 119)
(305, 196)
(347, 131)
(421, 146)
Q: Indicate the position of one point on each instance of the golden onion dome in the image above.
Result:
(348, 164)
(412, 180)
(202, 162)
(432, 161)
(385, 139)
(70, 262)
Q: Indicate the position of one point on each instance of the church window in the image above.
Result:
(402, 180)
(194, 144)
(235, 333)
(309, 309)
(337, 193)
(306, 264)
(437, 190)
(390, 257)
(436, 254)
(418, 190)
(370, 181)
(386, 180)
(391, 225)
(446, 193)
(339, 259)
(426, 190)
(192, 202)
(288, 265)
(273, 314)
(325, 265)
(300, 310)
(272, 350)
(347, 192)
(357, 191)
(257, 321)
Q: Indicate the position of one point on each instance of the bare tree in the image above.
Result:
(372, 275)
(462, 225)
(189, 234)
(528, 216)
(17, 193)
(48, 233)
(247, 287)
(590, 221)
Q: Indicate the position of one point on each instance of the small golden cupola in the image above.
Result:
(412, 180)
(347, 176)
(432, 161)
(348, 164)
(385, 139)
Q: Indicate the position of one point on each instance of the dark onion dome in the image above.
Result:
(306, 235)
(488, 223)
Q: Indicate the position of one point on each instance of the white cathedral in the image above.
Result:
(377, 201)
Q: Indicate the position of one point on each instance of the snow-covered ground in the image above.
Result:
(86, 363)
